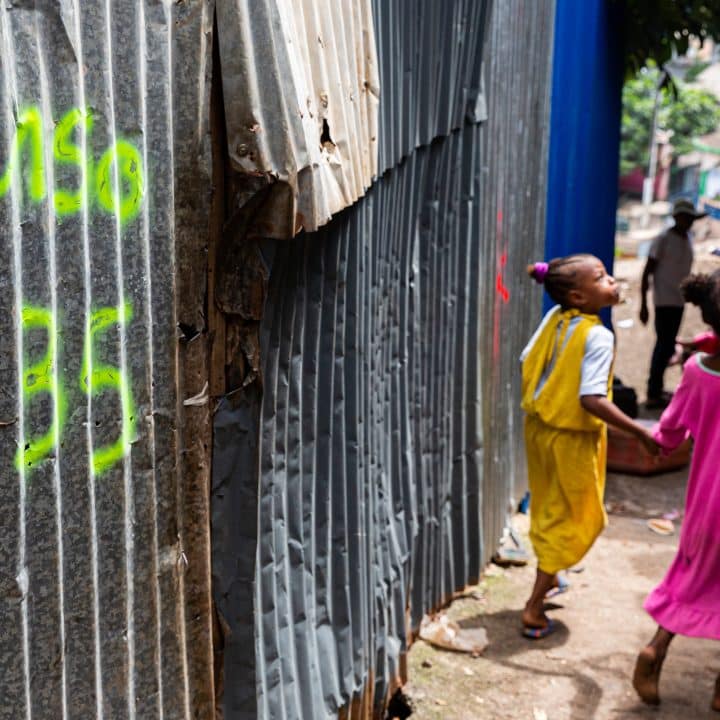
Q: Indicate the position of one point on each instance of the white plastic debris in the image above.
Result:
(442, 632)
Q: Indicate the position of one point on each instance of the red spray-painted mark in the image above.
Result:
(500, 286)
(502, 294)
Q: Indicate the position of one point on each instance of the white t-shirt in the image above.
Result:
(597, 360)
(673, 253)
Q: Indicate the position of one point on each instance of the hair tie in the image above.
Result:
(540, 270)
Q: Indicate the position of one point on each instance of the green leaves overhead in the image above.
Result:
(688, 113)
(653, 29)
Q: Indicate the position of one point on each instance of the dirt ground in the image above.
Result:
(583, 670)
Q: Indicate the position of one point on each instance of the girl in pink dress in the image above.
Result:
(687, 601)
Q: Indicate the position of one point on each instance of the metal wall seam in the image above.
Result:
(97, 530)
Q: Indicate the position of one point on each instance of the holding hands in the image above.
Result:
(648, 441)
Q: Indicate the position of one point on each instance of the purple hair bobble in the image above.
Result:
(540, 271)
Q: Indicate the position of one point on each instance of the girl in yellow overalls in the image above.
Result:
(566, 383)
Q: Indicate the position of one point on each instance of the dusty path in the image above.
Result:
(583, 671)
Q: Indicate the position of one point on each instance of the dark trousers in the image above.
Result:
(667, 324)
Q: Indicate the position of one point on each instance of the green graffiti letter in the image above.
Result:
(40, 378)
(67, 153)
(126, 200)
(29, 131)
(97, 377)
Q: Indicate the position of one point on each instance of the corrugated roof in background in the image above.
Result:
(104, 180)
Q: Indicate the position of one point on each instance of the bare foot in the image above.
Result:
(647, 675)
(716, 699)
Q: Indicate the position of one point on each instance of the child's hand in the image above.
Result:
(650, 443)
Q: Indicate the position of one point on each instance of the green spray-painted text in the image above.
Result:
(38, 379)
(115, 184)
(96, 377)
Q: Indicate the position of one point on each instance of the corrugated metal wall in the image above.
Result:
(104, 178)
(364, 463)
(389, 448)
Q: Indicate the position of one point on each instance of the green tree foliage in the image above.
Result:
(685, 111)
(654, 29)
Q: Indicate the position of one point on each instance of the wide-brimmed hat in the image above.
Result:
(685, 207)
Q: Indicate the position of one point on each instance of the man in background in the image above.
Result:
(669, 262)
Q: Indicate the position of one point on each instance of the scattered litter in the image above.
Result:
(441, 632)
(468, 671)
(508, 556)
(426, 664)
(478, 700)
(438, 701)
(625, 324)
(715, 251)
(619, 507)
(615, 507)
(661, 526)
(524, 504)
(539, 714)
(674, 514)
(511, 552)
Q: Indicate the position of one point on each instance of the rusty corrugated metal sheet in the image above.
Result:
(104, 180)
(385, 438)
(300, 83)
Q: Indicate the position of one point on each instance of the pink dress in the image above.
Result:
(687, 601)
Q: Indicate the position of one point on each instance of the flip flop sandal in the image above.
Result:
(538, 633)
(509, 556)
(562, 587)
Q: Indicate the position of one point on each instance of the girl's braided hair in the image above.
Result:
(559, 277)
(704, 291)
